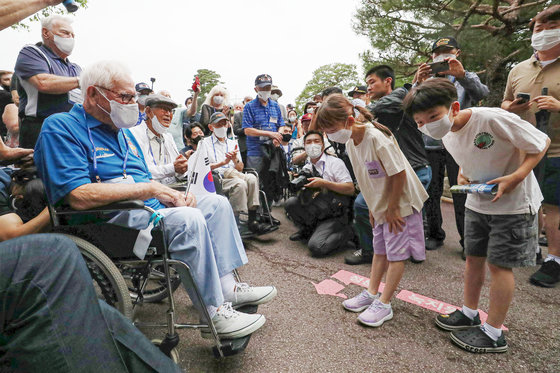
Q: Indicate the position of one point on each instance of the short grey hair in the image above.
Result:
(103, 74)
(55, 18)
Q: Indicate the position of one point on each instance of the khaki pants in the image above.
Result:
(242, 189)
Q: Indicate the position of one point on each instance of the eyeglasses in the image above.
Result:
(125, 97)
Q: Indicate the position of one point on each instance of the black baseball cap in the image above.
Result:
(142, 86)
(216, 117)
(263, 80)
(447, 41)
(358, 89)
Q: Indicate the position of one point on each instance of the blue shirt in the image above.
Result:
(64, 154)
(31, 62)
(265, 118)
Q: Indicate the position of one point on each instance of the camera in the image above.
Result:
(302, 179)
(70, 5)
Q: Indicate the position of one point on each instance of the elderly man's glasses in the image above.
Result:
(126, 98)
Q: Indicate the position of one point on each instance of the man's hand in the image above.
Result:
(371, 219)
(462, 180)
(315, 182)
(547, 103)
(455, 68)
(189, 153)
(191, 200)
(169, 197)
(181, 164)
(275, 136)
(516, 106)
(423, 73)
(505, 184)
(12, 155)
(394, 219)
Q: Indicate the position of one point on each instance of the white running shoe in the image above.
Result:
(245, 295)
(231, 324)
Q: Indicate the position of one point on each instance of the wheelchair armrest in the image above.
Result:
(115, 206)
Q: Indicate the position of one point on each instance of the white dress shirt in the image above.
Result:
(330, 168)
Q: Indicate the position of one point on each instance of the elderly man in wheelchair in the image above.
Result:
(242, 188)
(88, 158)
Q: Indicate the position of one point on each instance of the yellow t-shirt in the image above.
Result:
(375, 159)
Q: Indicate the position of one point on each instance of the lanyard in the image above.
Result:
(95, 170)
(160, 149)
(213, 147)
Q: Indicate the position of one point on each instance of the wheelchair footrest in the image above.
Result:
(232, 347)
(248, 309)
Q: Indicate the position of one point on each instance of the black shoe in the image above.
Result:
(433, 244)
(267, 218)
(456, 321)
(475, 340)
(358, 257)
(543, 241)
(539, 259)
(548, 275)
(298, 236)
(415, 261)
(258, 228)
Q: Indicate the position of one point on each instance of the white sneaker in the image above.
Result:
(231, 324)
(245, 295)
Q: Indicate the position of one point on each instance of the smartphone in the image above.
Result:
(525, 97)
(438, 67)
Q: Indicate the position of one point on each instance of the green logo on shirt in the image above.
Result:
(483, 140)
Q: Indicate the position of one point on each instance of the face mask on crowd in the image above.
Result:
(275, 96)
(310, 110)
(444, 56)
(122, 115)
(142, 99)
(220, 132)
(197, 139)
(545, 40)
(439, 128)
(341, 136)
(157, 126)
(188, 107)
(314, 150)
(264, 95)
(292, 118)
(66, 45)
(286, 137)
(218, 100)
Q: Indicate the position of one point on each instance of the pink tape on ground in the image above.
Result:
(353, 278)
(329, 287)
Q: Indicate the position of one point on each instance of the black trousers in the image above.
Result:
(326, 235)
(29, 131)
(440, 160)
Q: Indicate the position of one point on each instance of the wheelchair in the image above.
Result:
(124, 281)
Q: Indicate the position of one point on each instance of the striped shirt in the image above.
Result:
(265, 118)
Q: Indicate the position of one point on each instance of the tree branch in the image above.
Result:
(467, 16)
(539, 2)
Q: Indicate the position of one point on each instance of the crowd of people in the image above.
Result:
(362, 171)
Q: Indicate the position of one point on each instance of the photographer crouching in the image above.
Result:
(321, 208)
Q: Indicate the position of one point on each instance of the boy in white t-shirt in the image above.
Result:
(491, 146)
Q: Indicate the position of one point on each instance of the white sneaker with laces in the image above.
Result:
(231, 324)
(245, 295)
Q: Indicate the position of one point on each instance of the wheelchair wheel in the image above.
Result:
(174, 354)
(156, 288)
(107, 280)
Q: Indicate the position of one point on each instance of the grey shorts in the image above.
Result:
(507, 241)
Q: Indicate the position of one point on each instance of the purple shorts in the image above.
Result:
(403, 245)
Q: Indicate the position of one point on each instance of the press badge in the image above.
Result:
(375, 170)
(273, 120)
(120, 180)
(75, 96)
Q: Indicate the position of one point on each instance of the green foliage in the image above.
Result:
(341, 75)
(208, 79)
(493, 35)
(45, 12)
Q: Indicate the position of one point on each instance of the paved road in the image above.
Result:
(308, 332)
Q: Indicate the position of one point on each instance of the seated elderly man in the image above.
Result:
(320, 211)
(224, 157)
(87, 158)
(164, 161)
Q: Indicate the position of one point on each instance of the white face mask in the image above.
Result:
(443, 56)
(545, 40)
(122, 115)
(341, 136)
(310, 110)
(439, 128)
(292, 119)
(220, 132)
(275, 96)
(157, 126)
(218, 100)
(264, 95)
(188, 107)
(142, 99)
(66, 45)
(314, 150)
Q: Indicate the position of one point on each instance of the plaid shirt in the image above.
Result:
(265, 118)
